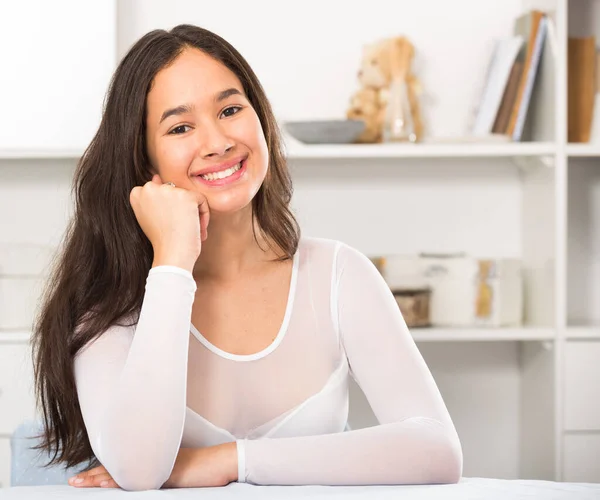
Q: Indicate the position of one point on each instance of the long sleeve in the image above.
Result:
(415, 441)
(131, 384)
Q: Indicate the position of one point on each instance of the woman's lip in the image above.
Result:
(219, 168)
(227, 180)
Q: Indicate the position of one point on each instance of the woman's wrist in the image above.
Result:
(166, 259)
(230, 461)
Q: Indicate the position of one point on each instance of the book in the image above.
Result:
(528, 26)
(508, 99)
(581, 74)
(529, 77)
(497, 77)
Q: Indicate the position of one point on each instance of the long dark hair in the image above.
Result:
(105, 258)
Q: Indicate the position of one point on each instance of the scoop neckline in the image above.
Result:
(282, 329)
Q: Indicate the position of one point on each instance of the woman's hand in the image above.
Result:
(98, 476)
(204, 467)
(194, 468)
(175, 220)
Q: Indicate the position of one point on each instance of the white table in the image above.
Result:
(467, 489)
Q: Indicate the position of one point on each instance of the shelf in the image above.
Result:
(14, 337)
(422, 150)
(481, 334)
(27, 154)
(583, 150)
(583, 332)
(426, 334)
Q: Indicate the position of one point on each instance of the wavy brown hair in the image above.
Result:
(105, 256)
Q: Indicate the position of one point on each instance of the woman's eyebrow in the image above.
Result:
(188, 108)
(179, 110)
(224, 94)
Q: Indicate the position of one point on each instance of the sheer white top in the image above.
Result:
(149, 389)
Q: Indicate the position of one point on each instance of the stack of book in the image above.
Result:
(510, 78)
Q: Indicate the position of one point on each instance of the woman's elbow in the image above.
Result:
(450, 465)
(136, 476)
(138, 482)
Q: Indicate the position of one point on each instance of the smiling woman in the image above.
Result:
(188, 336)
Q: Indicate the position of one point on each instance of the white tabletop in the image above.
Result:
(468, 488)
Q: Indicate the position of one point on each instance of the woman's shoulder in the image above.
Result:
(329, 248)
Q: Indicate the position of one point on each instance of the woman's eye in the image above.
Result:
(232, 110)
(178, 130)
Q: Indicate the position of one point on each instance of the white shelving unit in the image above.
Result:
(547, 448)
(508, 389)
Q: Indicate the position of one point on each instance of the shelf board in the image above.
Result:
(297, 150)
(418, 334)
(14, 337)
(39, 154)
(481, 334)
(583, 150)
(583, 332)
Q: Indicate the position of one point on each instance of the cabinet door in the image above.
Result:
(581, 452)
(4, 462)
(582, 386)
(17, 402)
(57, 60)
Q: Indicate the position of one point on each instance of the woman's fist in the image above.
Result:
(175, 220)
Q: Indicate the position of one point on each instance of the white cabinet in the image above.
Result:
(16, 386)
(57, 60)
(582, 458)
(582, 386)
(4, 462)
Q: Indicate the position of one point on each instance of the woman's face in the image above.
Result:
(203, 134)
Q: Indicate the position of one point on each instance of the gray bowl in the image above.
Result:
(326, 131)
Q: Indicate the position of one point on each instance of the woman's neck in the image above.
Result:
(231, 248)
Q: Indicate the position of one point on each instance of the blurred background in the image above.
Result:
(455, 142)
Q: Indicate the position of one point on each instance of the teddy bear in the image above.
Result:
(366, 105)
(381, 62)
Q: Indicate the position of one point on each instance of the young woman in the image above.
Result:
(189, 336)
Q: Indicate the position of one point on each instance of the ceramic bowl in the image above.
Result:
(326, 131)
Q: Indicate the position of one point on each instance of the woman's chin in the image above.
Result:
(228, 207)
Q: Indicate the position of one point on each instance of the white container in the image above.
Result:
(24, 268)
(465, 291)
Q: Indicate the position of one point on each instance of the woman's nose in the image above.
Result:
(214, 142)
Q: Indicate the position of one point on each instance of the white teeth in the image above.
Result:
(222, 174)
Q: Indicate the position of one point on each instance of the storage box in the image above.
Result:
(414, 305)
(465, 291)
